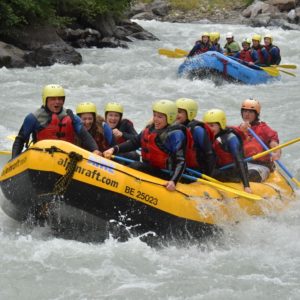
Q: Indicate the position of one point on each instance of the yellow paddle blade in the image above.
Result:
(5, 152)
(228, 189)
(289, 73)
(285, 66)
(271, 71)
(181, 51)
(11, 137)
(169, 53)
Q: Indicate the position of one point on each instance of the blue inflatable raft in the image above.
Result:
(217, 66)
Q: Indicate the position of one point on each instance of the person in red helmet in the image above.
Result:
(260, 168)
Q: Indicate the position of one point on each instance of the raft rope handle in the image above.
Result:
(63, 182)
(54, 149)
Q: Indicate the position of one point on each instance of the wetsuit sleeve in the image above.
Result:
(237, 55)
(130, 145)
(275, 54)
(128, 130)
(176, 143)
(235, 149)
(87, 140)
(195, 48)
(203, 142)
(29, 126)
(108, 135)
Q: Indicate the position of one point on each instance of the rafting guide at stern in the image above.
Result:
(53, 121)
(163, 145)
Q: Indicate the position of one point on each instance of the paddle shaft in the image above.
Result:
(213, 184)
(256, 156)
(281, 165)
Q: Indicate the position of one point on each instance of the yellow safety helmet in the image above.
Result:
(251, 104)
(256, 37)
(189, 105)
(52, 90)
(205, 34)
(215, 116)
(246, 40)
(166, 107)
(269, 36)
(86, 107)
(214, 36)
(114, 106)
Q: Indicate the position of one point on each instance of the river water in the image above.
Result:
(256, 259)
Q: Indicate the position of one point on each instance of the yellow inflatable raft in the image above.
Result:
(59, 182)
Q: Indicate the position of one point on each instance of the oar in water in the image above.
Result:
(169, 53)
(281, 165)
(285, 66)
(259, 155)
(218, 186)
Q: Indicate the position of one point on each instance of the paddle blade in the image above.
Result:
(4, 152)
(169, 53)
(181, 51)
(285, 66)
(271, 71)
(288, 73)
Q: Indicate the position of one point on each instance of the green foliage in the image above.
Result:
(19, 13)
(184, 5)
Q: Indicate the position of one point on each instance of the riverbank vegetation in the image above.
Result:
(20, 13)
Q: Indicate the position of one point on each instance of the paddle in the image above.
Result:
(270, 70)
(181, 51)
(169, 53)
(256, 156)
(281, 165)
(213, 184)
(286, 72)
(5, 152)
(285, 66)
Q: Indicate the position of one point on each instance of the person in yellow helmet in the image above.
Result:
(247, 54)
(53, 121)
(201, 46)
(231, 47)
(199, 152)
(228, 146)
(262, 52)
(259, 168)
(95, 125)
(214, 39)
(274, 51)
(122, 129)
(163, 145)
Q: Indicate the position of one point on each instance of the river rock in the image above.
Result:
(48, 55)
(12, 57)
(283, 5)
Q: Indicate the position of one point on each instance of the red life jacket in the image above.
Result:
(58, 129)
(152, 144)
(252, 146)
(245, 55)
(191, 150)
(224, 157)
